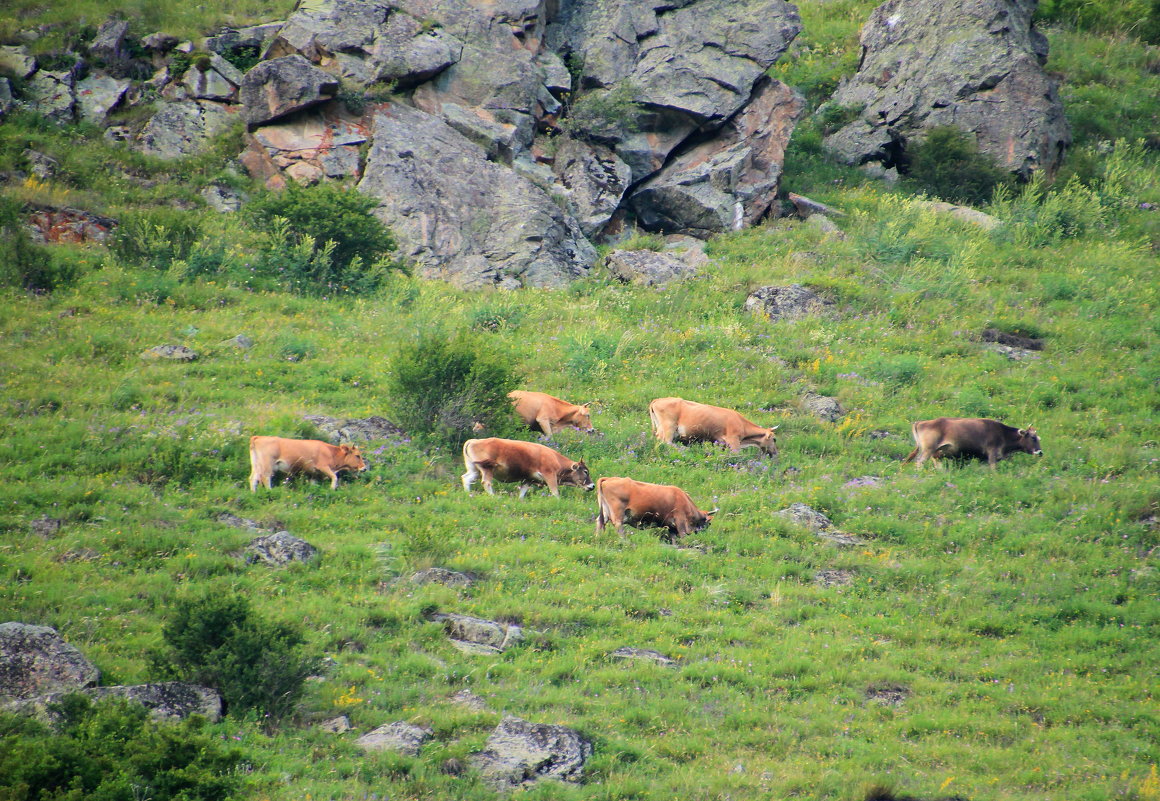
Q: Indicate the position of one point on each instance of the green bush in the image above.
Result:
(155, 237)
(112, 751)
(1137, 17)
(603, 115)
(948, 164)
(441, 387)
(26, 265)
(494, 316)
(217, 641)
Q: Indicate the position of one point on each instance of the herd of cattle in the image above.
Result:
(624, 500)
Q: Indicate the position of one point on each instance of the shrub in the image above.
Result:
(26, 265)
(441, 387)
(603, 115)
(215, 640)
(155, 238)
(112, 750)
(494, 316)
(948, 164)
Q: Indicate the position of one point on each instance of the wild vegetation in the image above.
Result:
(993, 637)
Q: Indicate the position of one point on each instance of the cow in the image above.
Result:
(527, 463)
(640, 504)
(270, 455)
(542, 412)
(970, 436)
(690, 421)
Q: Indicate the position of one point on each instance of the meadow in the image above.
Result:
(997, 637)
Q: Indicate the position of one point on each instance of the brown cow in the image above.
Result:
(690, 421)
(270, 455)
(970, 436)
(513, 460)
(542, 412)
(640, 504)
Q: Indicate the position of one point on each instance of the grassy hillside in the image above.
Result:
(1013, 613)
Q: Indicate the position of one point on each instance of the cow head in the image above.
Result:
(349, 458)
(577, 475)
(581, 418)
(1029, 441)
(768, 442)
(702, 519)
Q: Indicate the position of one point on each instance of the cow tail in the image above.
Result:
(913, 453)
(652, 416)
(910, 458)
(602, 514)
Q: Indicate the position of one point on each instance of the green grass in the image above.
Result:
(1018, 607)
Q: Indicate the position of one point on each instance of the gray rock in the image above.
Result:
(273, 89)
(340, 162)
(7, 100)
(109, 43)
(730, 181)
(182, 128)
(230, 519)
(963, 214)
(1012, 353)
(807, 208)
(170, 700)
(643, 654)
(595, 179)
(468, 699)
(231, 39)
(207, 84)
(341, 430)
(46, 527)
(822, 407)
(223, 199)
(441, 575)
(406, 738)
(824, 224)
(407, 52)
(159, 42)
(840, 539)
(518, 752)
(834, 578)
(41, 165)
(79, 555)
(648, 267)
(786, 302)
(35, 660)
(803, 515)
(977, 65)
(325, 27)
(465, 219)
(241, 342)
(487, 636)
(56, 225)
(97, 95)
(279, 548)
(178, 353)
(53, 95)
(16, 60)
(337, 725)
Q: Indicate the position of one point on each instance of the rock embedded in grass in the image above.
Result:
(167, 700)
(643, 654)
(279, 548)
(648, 267)
(834, 578)
(822, 407)
(518, 753)
(177, 353)
(441, 575)
(790, 302)
(35, 660)
(806, 516)
(405, 738)
(469, 700)
(476, 635)
(341, 430)
(46, 527)
(336, 725)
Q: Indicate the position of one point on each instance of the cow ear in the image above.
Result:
(1031, 430)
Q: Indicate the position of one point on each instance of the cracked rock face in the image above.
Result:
(463, 218)
(518, 753)
(977, 65)
(35, 660)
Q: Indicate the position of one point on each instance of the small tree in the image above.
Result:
(948, 164)
(442, 387)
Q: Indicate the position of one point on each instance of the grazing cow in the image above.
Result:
(542, 412)
(970, 436)
(690, 421)
(527, 463)
(270, 455)
(640, 504)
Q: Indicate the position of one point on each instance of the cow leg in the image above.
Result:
(553, 486)
(331, 474)
(545, 424)
(993, 457)
(469, 477)
(487, 485)
(732, 443)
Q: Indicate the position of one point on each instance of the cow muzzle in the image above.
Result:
(589, 487)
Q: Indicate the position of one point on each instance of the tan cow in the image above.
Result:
(640, 504)
(542, 412)
(527, 463)
(970, 436)
(690, 421)
(270, 455)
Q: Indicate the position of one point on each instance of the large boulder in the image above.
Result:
(56, 225)
(463, 218)
(274, 89)
(595, 179)
(182, 128)
(53, 94)
(977, 65)
(790, 302)
(648, 267)
(727, 182)
(278, 549)
(518, 752)
(35, 660)
(97, 95)
(168, 700)
(477, 635)
(16, 60)
(405, 738)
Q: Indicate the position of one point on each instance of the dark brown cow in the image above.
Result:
(970, 436)
(527, 463)
(640, 504)
(690, 421)
(270, 455)
(542, 412)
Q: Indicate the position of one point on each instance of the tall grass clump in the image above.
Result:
(112, 750)
(218, 641)
(441, 387)
(947, 164)
(25, 265)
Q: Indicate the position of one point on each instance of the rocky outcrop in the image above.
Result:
(806, 516)
(182, 128)
(786, 302)
(53, 94)
(357, 430)
(170, 700)
(594, 179)
(54, 225)
(309, 146)
(630, 653)
(176, 353)
(823, 407)
(518, 753)
(274, 89)
(97, 95)
(648, 267)
(463, 218)
(441, 575)
(476, 635)
(405, 738)
(35, 660)
(977, 65)
(728, 182)
(278, 549)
